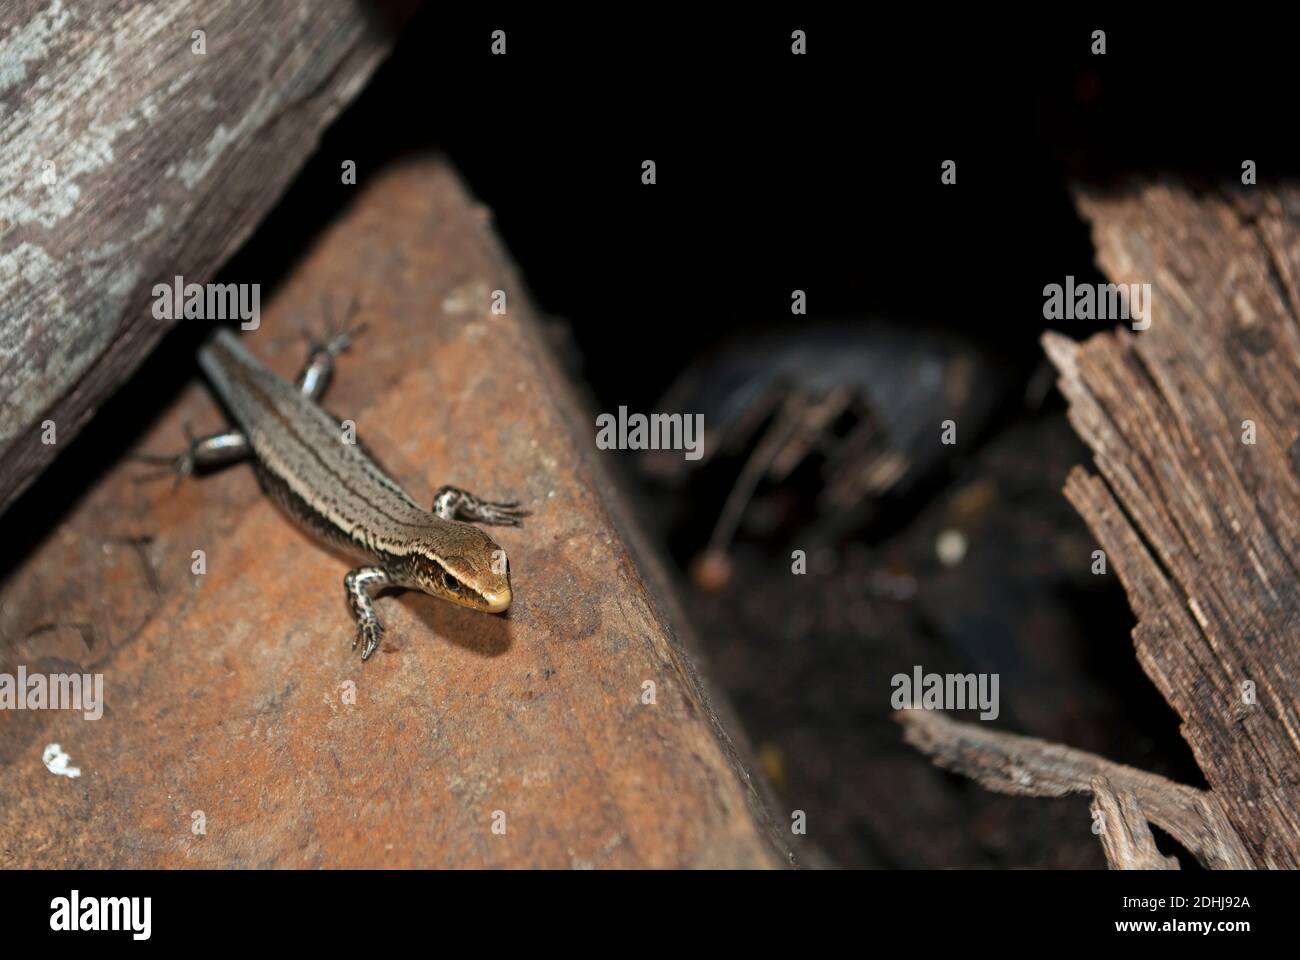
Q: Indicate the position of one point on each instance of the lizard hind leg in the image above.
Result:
(453, 503)
(214, 450)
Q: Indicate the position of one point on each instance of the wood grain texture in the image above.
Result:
(1194, 424)
(228, 693)
(1125, 835)
(1203, 528)
(127, 159)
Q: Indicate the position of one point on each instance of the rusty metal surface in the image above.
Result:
(227, 693)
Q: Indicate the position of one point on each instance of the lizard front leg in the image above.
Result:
(361, 586)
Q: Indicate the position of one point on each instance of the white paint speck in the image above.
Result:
(950, 547)
(56, 761)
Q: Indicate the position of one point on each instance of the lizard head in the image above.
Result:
(462, 564)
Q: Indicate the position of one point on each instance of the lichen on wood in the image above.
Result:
(128, 157)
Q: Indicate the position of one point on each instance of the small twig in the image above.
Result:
(1125, 836)
(1014, 764)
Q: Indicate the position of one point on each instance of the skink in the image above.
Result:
(331, 485)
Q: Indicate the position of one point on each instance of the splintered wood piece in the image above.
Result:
(1125, 836)
(1014, 764)
(1194, 424)
(1195, 427)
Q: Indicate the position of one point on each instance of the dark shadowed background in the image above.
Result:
(819, 173)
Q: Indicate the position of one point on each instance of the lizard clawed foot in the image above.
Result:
(358, 585)
(506, 514)
(338, 335)
(452, 503)
(370, 632)
(180, 464)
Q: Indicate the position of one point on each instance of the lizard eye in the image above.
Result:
(450, 582)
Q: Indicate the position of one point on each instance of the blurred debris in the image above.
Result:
(950, 547)
(864, 400)
(807, 660)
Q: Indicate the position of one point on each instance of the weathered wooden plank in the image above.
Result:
(1195, 428)
(1195, 424)
(235, 694)
(127, 158)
